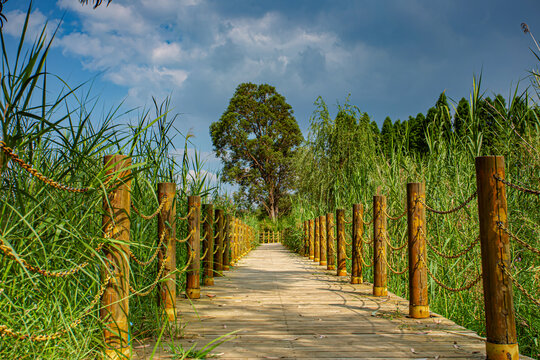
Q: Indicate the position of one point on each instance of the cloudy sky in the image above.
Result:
(393, 57)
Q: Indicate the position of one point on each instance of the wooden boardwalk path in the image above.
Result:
(286, 307)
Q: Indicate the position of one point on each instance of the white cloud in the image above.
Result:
(167, 53)
(36, 23)
(155, 47)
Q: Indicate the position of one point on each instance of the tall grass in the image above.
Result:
(341, 164)
(63, 137)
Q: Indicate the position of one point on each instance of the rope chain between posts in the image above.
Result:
(187, 216)
(364, 262)
(9, 152)
(398, 248)
(204, 255)
(393, 270)
(369, 242)
(457, 208)
(155, 213)
(48, 273)
(367, 223)
(203, 220)
(187, 237)
(153, 257)
(518, 240)
(517, 187)
(158, 278)
(454, 256)
(396, 217)
(452, 289)
(6, 331)
(519, 286)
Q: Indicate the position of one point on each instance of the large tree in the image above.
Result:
(256, 138)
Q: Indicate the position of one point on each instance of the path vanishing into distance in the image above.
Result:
(283, 306)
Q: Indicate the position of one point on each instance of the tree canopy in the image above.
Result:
(256, 138)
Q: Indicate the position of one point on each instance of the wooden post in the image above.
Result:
(317, 239)
(306, 238)
(330, 244)
(208, 244)
(501, 338)
(358, 232)
(341, 253)
(416, 225)
(167, 253)
(322, 235)
(193, 275)
(234, 239)
(379, 246)
(226, 260)
(218, 256)
(115, 301)
(311, 239)
(304, 232)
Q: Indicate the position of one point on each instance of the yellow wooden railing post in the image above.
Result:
(501, 337)
(208, 244)
(218, 248)
(317, 239)
(193, 286)
(227, 243)
(115, 301)
(358, 232)
(379, 246)
(311, 240)
(341, 253)
(416, 224)
(330, 242)
(322, 235)
(167, 254)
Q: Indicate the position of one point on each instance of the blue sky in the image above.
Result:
(394, 57)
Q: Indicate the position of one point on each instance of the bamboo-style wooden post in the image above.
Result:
(341, 253)
(218, 247)
(193, 275)
(322, 235)
(226, 260)
(416, 226)
(501, 338)
(208, 244)
(115, 301)
(379, 246)
(167, 253)
(358, 232)
(239, 240)
(306, 238)
(317, 239)
(330, 242)
(234, 240)
(244, 239)
(303, 249)
(311, 239)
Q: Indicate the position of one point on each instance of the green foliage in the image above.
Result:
(256, 138)
(180, 353)
(342, 164)
(56, 230)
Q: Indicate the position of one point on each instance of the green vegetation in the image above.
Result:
(256, 138)
(346, 160)
(62, 137)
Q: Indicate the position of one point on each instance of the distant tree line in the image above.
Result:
(482, 121)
